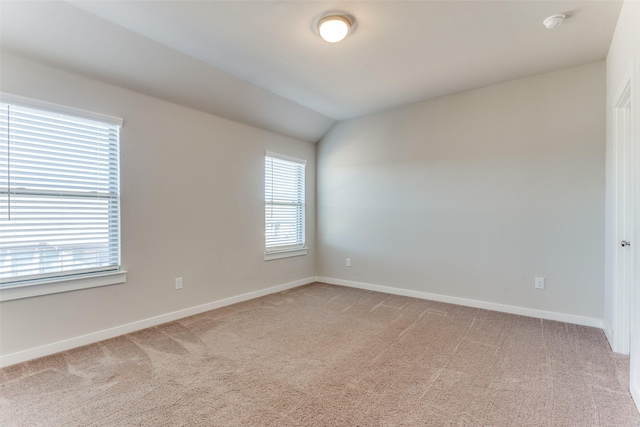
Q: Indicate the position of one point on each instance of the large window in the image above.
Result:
(59, 195)
(284, 206)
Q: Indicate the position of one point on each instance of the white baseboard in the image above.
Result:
(608, 332)
(56, 347)
(68, 344)
(529, 312)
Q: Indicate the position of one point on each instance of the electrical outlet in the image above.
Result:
(178, 282)
(539, 283)
(348, 262)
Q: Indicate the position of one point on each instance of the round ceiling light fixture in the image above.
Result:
(334, 28)
(554, 20)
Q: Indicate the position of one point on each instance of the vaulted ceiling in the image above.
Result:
(263, 64)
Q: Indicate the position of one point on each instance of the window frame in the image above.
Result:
(69, 281)
(285, 251)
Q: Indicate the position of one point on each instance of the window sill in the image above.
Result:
(287, 253)
(61, 284)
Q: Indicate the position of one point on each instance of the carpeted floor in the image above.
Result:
(322, 355)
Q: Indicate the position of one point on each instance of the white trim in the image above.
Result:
(286, 253)
(56, 347)
(523, 311)
(34, 288)
(62, 109)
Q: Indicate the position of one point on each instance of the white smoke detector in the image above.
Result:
(554, 20)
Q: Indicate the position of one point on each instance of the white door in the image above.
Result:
(626, 255)
(624, 224)
(632, 258)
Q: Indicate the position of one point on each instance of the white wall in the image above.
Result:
(192, 207)
(469, 196)
(473, 195)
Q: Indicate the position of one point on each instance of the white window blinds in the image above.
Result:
(59, 195)
(284, 203)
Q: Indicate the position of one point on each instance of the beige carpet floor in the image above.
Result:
(322, 355)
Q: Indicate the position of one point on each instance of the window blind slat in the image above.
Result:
(59, 195)
(284, 204)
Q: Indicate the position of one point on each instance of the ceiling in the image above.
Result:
(262, 63)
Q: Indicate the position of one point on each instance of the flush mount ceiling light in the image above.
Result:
(334, 28)
(554, 20)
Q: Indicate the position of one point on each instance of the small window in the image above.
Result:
(59, 195)
(284, 206)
